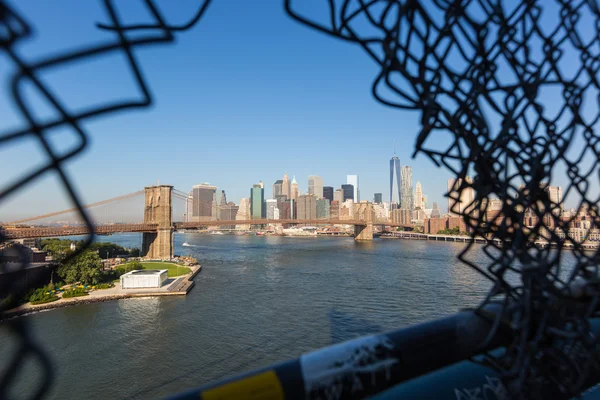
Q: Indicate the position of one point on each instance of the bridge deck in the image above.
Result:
(38, 232)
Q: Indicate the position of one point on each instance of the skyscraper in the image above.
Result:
(348, 191)
(353, 180)
(328, 193)
(394, 168)
(285, 186)
(243, 214)
(378, 198)
(555, 194)
(294, 189)
(458, 205)
(338, 196)
(315, 186)
(307, 207)
(202, 202)
(322, 208)
(419, 203)
(228, 212)
(257, 201)
(277, 188)
(406, 198)
(272, 210)
(435, 211)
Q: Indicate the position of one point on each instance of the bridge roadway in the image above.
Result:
(38, 232)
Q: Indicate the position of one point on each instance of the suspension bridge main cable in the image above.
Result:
(99, 203)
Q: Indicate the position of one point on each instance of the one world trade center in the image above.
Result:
(394, 166)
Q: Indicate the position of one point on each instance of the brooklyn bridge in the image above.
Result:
(158, 224)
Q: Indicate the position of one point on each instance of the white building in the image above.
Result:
(145, 278)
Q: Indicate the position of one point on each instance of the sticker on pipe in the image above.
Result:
(351, 369)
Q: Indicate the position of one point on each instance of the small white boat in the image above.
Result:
(186, 244)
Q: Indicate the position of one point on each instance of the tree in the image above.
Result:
(84, 268)
(59, 249)
(135, 265)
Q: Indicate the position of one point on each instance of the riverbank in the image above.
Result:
(178, 286)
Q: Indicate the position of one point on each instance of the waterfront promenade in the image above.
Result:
(467, 239)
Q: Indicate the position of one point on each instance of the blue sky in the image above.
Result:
(244, 96)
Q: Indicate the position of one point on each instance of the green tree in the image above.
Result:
(59, 249)
(135, 265)
(85, 268)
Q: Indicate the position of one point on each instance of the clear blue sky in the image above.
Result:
(244, 96)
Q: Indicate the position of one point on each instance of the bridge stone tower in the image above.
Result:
(363, 211)
(158, 210)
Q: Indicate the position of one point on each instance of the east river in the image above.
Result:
(258, 300)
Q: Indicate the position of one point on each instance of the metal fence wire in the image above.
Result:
(507, 93)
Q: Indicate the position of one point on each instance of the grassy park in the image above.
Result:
(174, 269)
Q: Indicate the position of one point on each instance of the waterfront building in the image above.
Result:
(257, 201)
(294, 189)
(286, 186)
(338, 196)
(315, 186)
(406, 198)
(202, 202)
(419, 200)
(348, 191)
(277, 188)
(328, 193)
(271, 208)
(243, 214)
(307, 207)
(353, 180)
(433, 226)
(459, 204)
(378, 198)
(323, 209)
(395, 170)
(334, 210)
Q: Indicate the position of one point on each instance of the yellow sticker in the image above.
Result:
(261, 386)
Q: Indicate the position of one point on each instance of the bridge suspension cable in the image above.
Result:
(99, 203)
